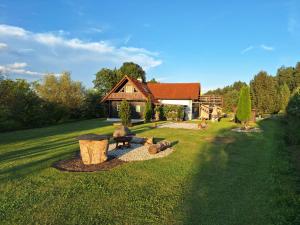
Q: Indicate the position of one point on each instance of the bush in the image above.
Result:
(173, 112)
(293, 118)
(160, 112)
(125, 113)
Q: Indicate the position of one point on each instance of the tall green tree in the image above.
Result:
(133, 70)
(285, 75)
(19, 105)
(264, 93)
(148, 111)
(106, 79)
(244, 106)
(125, 113)
(284, 95)
(297, 76)
(64, 91)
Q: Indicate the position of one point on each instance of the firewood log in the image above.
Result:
(160, 146)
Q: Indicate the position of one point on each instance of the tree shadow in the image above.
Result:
(229, 183)
(55, 130)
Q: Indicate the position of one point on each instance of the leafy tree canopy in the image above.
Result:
(62, 90)
(106, 78)
(264, 93)
(230, 95)
(133, 70)
(152, 81)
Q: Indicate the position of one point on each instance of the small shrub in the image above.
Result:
(125, 113)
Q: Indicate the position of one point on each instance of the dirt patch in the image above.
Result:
(75, 164)
(220, 140)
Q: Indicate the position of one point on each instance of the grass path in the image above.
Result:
(202, 182)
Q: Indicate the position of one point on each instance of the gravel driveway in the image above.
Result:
(190, 126)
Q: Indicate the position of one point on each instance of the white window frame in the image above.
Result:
(138, 108)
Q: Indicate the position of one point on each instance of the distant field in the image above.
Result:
(207, 180)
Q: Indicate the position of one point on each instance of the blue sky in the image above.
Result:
(212, 42)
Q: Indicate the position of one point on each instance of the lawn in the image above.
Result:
(248, 181)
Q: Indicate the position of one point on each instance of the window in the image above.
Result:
(138, 108)
(128, 89)
(118, 107)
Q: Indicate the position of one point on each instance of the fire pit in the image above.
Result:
(124, 140)
(123, 135)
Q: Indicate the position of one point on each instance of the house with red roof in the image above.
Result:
(137, 93)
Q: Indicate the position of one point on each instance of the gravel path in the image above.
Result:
(252, 130)
(136, 152)
(190, 126)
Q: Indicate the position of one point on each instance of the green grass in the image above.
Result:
(249, 181)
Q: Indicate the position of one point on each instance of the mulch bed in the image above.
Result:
(75, 164)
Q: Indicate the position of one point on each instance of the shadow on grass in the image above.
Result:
(231, 183)
(42, 153)
(61, 129)
(35, 151)
(33, 167)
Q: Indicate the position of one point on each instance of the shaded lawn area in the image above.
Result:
(247, 181)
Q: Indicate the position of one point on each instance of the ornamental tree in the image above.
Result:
(125, 113)
(148, 111)
(244, 106)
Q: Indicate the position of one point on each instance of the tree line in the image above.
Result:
(57, 99)
(269, 94)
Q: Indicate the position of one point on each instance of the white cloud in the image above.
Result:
(19, 68)
(3, 45)
(247, 49)
(53, 51)
(262, 46)
(12, 31)
(267, 48)
(17, 65)
(139, 50)
(94, 30)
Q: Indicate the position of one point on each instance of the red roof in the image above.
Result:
(156, 91)
(174, 90)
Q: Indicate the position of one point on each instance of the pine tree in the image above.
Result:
(244, 106)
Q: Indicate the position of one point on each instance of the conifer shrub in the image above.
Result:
(125, 113)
